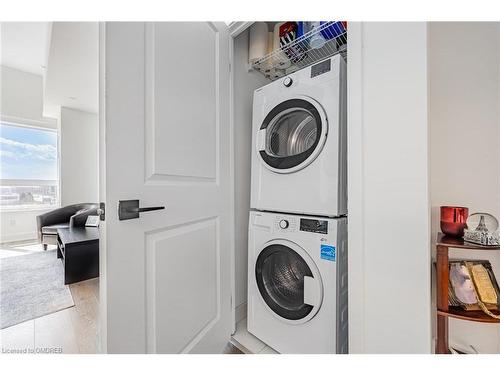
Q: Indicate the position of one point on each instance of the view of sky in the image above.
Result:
(27, 153)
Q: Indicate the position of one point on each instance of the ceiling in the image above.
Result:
(66, 54)
(25, 45)
(72, 77)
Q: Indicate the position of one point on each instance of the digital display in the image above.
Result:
(321, 68)
(315, 226)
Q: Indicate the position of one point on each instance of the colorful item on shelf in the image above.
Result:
(278, 58)
(334, 29)
(287, 35)
(453, 220)
(482, 229)
(473, 286)
(300, 29)
(461, 284)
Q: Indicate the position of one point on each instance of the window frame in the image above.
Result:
(50, 125)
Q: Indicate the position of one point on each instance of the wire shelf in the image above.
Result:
(299, 54)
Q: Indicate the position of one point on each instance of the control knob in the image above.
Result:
(284, 224)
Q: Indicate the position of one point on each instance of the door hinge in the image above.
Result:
(102, 211)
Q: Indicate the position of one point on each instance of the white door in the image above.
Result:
(168, 286)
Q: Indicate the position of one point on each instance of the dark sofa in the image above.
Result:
(74, 215)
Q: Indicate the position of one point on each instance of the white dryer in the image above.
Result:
(297, 282)
(299, 151)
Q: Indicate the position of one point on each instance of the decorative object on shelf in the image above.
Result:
(461, 287)
(453, 220)
(444, 310)
(298, 52)
(473, 286)
(482, 229)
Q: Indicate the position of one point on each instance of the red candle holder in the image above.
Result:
(453, 220)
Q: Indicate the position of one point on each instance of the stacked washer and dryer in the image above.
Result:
(297, 254)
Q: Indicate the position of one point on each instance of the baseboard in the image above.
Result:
(240, 312)
(18, 237)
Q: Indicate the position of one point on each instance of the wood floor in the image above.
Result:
(70, 331)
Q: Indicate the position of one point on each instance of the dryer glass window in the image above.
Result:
(280, 273)
(291, 133)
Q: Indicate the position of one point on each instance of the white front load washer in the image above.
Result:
(297, 282)
(299, 151)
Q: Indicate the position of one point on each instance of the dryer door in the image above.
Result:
(292, 135)
(288, 281)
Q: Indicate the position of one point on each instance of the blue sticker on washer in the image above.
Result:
(328, 252)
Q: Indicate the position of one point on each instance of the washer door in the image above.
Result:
(292, 135)
(288, 281)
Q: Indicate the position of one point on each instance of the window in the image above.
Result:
(28, 167)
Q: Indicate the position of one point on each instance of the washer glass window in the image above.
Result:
(279, 273)
(293, 132)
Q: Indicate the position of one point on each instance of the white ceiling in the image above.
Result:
(72, 77)
(25, 45)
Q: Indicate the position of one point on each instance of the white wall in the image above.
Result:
(464, 72)
(21, 101)
(79, 132)
(18, 225)
(22, 95)
(389, 218)
(245, 83)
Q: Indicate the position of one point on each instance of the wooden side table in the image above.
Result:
(444, 311)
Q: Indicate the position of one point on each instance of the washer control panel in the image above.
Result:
(314, 225)
(285, 224)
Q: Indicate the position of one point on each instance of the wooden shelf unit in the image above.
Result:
(444, 243)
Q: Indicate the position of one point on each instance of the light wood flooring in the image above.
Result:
(70, 331)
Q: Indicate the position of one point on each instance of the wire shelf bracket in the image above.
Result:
(299, 54)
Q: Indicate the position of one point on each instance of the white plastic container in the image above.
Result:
(258, 44)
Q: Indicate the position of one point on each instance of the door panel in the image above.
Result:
(182, 299)
(186, 93)
(167, 144)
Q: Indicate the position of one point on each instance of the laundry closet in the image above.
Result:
(290, 217)
(177, 278)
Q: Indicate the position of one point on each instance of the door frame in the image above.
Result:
(235, 29)
(103, 311)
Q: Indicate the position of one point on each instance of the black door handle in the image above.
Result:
(130, 209)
